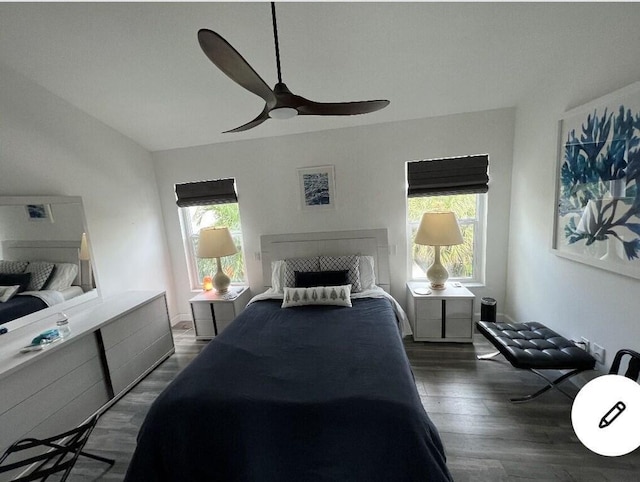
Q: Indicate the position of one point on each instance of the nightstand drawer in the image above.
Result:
(225, 311)
(459, 308)
(428, 329)
(458, 328)
(429, 309)
(202, 311)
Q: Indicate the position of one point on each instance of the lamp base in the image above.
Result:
(221, 281)
(437, 274)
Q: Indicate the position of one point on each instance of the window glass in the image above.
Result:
(193, 219)
(463, 261)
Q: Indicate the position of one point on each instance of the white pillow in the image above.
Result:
(277, 275)
(8, 292)
(62, 277)
(367, 273)
(317, 295)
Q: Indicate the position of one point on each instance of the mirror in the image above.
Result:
(46, 228)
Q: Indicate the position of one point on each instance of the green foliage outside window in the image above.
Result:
(216, 215)
(457, 259)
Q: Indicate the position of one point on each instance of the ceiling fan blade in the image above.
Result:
(227, 59)
(341, 108)
(263, 116)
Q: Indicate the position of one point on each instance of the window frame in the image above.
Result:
(479, 242)
(190, 256)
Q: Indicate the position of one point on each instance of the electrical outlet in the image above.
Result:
(598, 352)
(587, 346)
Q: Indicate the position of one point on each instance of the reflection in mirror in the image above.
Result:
(45, 267)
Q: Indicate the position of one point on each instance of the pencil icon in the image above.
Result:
(612, 414)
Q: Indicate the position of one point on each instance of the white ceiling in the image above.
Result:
(138, 67)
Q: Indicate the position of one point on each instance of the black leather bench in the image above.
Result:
(532, 346)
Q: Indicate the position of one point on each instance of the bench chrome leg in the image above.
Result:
(550, 384)
(488, 356)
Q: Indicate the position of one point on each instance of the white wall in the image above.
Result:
(370, 186)
(572, 298)
(48, 147)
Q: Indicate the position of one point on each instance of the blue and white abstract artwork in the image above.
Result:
(316, 186)
(598, 209)
(316, 189)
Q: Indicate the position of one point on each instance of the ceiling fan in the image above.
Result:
(280, 102)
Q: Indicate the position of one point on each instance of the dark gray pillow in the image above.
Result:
(309, 279)
(10, 279)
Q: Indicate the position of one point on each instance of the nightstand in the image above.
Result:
(212, 312)
(442, 315)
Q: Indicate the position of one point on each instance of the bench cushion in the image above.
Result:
(533, 345)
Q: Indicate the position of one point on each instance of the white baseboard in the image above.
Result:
(179, 318)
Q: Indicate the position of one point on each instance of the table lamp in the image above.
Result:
(216, 243)
(438, 229)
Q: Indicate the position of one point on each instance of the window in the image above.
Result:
(205, 204)
(457, 185)
(464, 262)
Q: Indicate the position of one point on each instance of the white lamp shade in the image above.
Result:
(215, 243)
(438, 229)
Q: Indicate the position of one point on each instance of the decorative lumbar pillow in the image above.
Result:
(307, 279)
(62, 276)
(11, 267)
(298, 264)
(20, 279)
(350, 263)
(40, 272)
(8, 292)
(317, 295)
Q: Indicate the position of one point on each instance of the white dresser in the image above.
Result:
(112, 346)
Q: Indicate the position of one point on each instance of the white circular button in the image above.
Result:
(606, 415)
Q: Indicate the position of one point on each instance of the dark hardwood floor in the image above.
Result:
(486, 437)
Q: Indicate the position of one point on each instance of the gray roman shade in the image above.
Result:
(456, 175)
(202, 193)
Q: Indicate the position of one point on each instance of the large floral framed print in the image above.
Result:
(597, 218)
(317, 187)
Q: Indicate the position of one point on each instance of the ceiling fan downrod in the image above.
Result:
(282, 112)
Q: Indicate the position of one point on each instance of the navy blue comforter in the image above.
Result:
(314, 393)
(19, 306)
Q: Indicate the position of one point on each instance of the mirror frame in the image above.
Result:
(70, 306)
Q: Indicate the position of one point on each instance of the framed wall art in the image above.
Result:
(39, 212)
(317, 187)
(597, 210)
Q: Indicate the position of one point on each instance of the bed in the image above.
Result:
(298, 390)
(35, 275)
